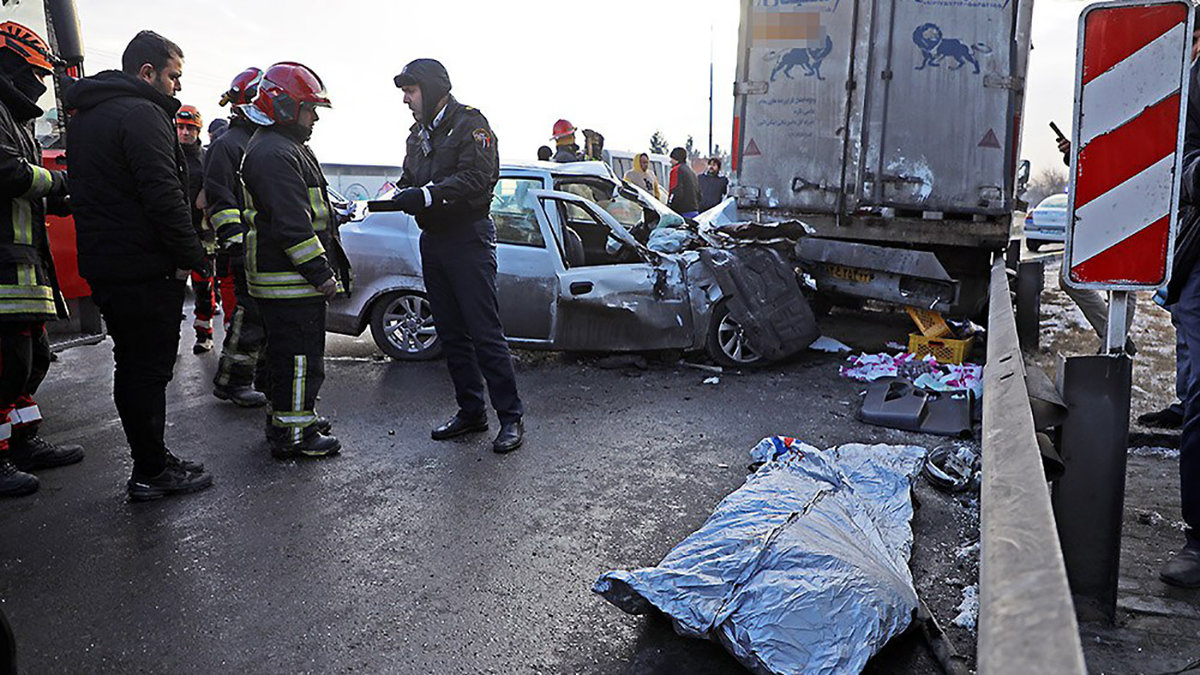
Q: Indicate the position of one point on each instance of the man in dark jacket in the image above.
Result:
(188, 124)
(243, 354)
(288, 269)
(29, 294)
(450, 170)
(685, 188)
(1183, 299)
(136, 243)
(713, 185)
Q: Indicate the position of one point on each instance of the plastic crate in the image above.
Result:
(944, 349)
(929, 322)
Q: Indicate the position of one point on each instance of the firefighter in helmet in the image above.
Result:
(29, 295)
(289, 246)
(188, 124)
(241, 374)
(566, 149)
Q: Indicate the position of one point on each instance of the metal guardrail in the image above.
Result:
(1027, 618)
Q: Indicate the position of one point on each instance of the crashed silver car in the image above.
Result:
(575, 274)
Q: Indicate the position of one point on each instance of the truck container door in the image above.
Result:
(792, 102)
(941, 106)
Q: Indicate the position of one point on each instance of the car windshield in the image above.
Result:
(639, 216)
(1058, 201)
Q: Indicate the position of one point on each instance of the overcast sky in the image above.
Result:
(623, 67)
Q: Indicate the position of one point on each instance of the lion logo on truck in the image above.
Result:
(808, 58)
(935, 47)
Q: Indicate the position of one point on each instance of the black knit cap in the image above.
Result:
(431, 76)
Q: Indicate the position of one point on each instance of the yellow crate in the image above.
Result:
(945, 350)
(929, 322)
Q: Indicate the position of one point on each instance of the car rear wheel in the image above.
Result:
(402, 326)
(727, 344)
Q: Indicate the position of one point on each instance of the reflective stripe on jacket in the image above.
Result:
(286, 209)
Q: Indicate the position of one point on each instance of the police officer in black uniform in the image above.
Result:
(450, 170)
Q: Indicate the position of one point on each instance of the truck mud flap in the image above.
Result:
(765, 298)
(896, 275)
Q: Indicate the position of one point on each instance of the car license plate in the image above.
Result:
(852, 274)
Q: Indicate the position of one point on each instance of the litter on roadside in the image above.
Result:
(712, 380)
(802, 569)
(925, 372)
(829, 346)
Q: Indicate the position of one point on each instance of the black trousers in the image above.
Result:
(143, 321)
(24, 362)
(460, 281)
(243, 354)
(295, 363)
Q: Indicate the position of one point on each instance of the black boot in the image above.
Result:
(1167, 418)
(14, 482)
(244, 396)
(458, 425)
(1183, 570)
(31, 452)
(312, 444)
(510, 437)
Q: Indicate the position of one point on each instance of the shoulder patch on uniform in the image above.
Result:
(482, 137)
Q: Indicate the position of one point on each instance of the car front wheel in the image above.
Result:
(402, 326)
(727, 344)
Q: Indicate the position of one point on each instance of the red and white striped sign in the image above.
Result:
(1130, 97)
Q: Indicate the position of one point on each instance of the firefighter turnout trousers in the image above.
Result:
(295, 365)
(24, 361)
(243, 354)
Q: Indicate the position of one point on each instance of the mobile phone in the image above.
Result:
(1058, 132)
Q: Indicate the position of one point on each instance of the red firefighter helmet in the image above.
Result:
(562, 129)
(29, 45)
(188, 115)
(287, 86)
(243, 89)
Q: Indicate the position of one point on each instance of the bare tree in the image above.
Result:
(1049, 181)
(658, 143)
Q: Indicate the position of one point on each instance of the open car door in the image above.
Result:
(613, 293)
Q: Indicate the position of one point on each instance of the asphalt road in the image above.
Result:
(406, 555)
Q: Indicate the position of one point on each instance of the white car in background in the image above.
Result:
(1047, 222)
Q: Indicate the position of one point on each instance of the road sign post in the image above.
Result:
(1130, 95)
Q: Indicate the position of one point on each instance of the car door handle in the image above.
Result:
(581, 287)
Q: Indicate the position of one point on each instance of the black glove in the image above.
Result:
(410, 200)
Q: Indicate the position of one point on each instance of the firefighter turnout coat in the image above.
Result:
(291, 224)
(28, 287)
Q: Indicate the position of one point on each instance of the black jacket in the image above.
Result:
(221, 188)
(193, 156)
(460, 173)
(685, 193)
(712, 190)
(291, 222)
(28, 287)
(1187, 241)
(128, 181)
